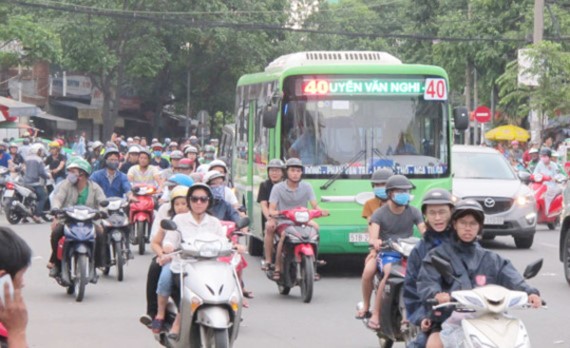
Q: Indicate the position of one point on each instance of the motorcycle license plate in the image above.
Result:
(9, 193)
(358, 237)
(494, 220)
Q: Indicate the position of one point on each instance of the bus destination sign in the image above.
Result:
(430, 88)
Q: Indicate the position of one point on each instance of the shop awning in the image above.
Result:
(61, 123)
(11, 109)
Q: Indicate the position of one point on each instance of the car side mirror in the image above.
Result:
(168, 225)
(532, 269)
(524, 176)
(442, 266)
(104, 204)
(243, 222)
(461, 118)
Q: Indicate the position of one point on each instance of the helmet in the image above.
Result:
(180, 180)
(190, 149)
(399, 182)
(436, 196)
(156, 146)
(3, 144)
(167, 140)
(36, 148)
(54, 145)
(81, 164)
(209, 148)
(111, 151)
(176, 155)
(276, 163)
(172, 143)
(533, 150)
(294, 162)
(381, 176)
(134, 149)
(96, 144)
(146, 152)
(203, 187)
(219, 163)
(193, 137)
(213, 174)
(514, 142)
(130, 139)
(179, 192)
(185, 163)
(555, 154)
(469, 206)
(13, 145)
(546, 152)
(136, 137)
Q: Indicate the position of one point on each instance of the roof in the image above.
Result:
(74, 104)
(17, 109)
(473, 149)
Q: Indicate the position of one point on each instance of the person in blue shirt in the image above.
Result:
(4, 155)
(113, 182)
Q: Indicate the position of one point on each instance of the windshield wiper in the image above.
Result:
(348, 164)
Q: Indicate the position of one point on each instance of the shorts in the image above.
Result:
(386, 258)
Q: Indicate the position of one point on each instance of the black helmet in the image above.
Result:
(111, 151)
(469, 206)
(294, 162)
(204, 187)
(399, 182)
(276, 163)
(381, 176)
(437, 196)
(546, 152)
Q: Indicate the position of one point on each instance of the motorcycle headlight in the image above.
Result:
(302, 216)
(537, 177)
(208, 249)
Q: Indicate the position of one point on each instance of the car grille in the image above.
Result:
(501, 204)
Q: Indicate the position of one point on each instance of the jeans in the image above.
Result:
(164, 287)
(42, 198)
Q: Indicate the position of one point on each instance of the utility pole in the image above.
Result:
(535, 126)
(187, 46)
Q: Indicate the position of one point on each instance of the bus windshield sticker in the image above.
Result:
(362, 170)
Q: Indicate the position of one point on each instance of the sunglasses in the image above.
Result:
(196, 199)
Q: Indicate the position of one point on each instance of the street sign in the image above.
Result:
(482, 114)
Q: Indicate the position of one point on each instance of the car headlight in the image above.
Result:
(523, 200)
(302, 217)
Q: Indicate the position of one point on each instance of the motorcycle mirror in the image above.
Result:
(243, 222)
(532, 269)
(168, 225)
(104, 204)
(136, 189)
(102, 215)
(442, 266)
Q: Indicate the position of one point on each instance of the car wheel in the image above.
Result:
(524, 242)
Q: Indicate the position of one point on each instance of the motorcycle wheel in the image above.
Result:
(80, 276)
(119, 259)
(524, 242)
(12, 217)
(71, 290)
(141, 228)
(566, 257)
(307, 277)
(283, 290)
(386, 342)
(409, 331)
(221, 338)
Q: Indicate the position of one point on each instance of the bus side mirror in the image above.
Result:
(461, 118)
(271, 110)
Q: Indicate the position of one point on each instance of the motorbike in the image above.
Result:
(76, 249)
(117, 230)
(141, 214)
(551, 216)
(394, 326)
(483, 312)
(211, 295)
(4, 178)
(19, 201)
(299, 264)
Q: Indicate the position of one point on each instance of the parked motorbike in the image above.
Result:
(117, 230)
(540, 189)
(211, 296)
(19, 202)
(394, 326)
(487, 323)
(4, 178)
(299, 264)
(141, 214)
(76, 249)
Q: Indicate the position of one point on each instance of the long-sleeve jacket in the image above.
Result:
(66, 195)
(414, 306)
(473, 266)
(224, 211)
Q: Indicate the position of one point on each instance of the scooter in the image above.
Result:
(20, 201)
(4, 178)
(300, 249)
(540, 189)
(488, 323)
(141, 214)
(76, 249)
(211, 295)
(394, 326)
(117, 230)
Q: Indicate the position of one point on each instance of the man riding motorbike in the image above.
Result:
(113, 182)
(77, 189)
(144, 173)
(132, 159)
(549, 168)
(56, 162)
(35, 176)
(157, 159)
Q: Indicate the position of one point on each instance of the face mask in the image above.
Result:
(218, 192)
(380, 192)
(72, 178)
(402, 198)
(193, 142)
(157, 153)
(112, 165)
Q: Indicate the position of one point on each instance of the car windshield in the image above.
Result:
(468, 165)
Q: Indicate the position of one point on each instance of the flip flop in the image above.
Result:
(372, 325)
(363, 315)
(276, 275)
(248, 294)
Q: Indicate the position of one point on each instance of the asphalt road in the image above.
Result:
(108, 316)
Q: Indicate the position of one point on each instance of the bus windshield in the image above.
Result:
(365, 132)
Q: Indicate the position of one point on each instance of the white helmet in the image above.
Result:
(36, 148)
(211, 175)
(134, 149)
(97, 144)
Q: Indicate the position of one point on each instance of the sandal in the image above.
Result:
(276, 275)
(157, 326)
(245, 303)
(317, 277)
(247, 294)
(266, 266)
(363, 314)
(372, 325)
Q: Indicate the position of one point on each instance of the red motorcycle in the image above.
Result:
(141, 214)
(540, 189)
(300, 249)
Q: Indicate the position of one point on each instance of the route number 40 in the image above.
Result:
(436, 89)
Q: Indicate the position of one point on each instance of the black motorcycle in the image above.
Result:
(116, 230)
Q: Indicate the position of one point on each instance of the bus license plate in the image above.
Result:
(9, 193)
(358, 237)
(494, 220)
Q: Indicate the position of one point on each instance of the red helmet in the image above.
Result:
(61, 142)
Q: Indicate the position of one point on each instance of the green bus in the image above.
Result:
(345, 115)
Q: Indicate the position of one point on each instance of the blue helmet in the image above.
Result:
(180, 180)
